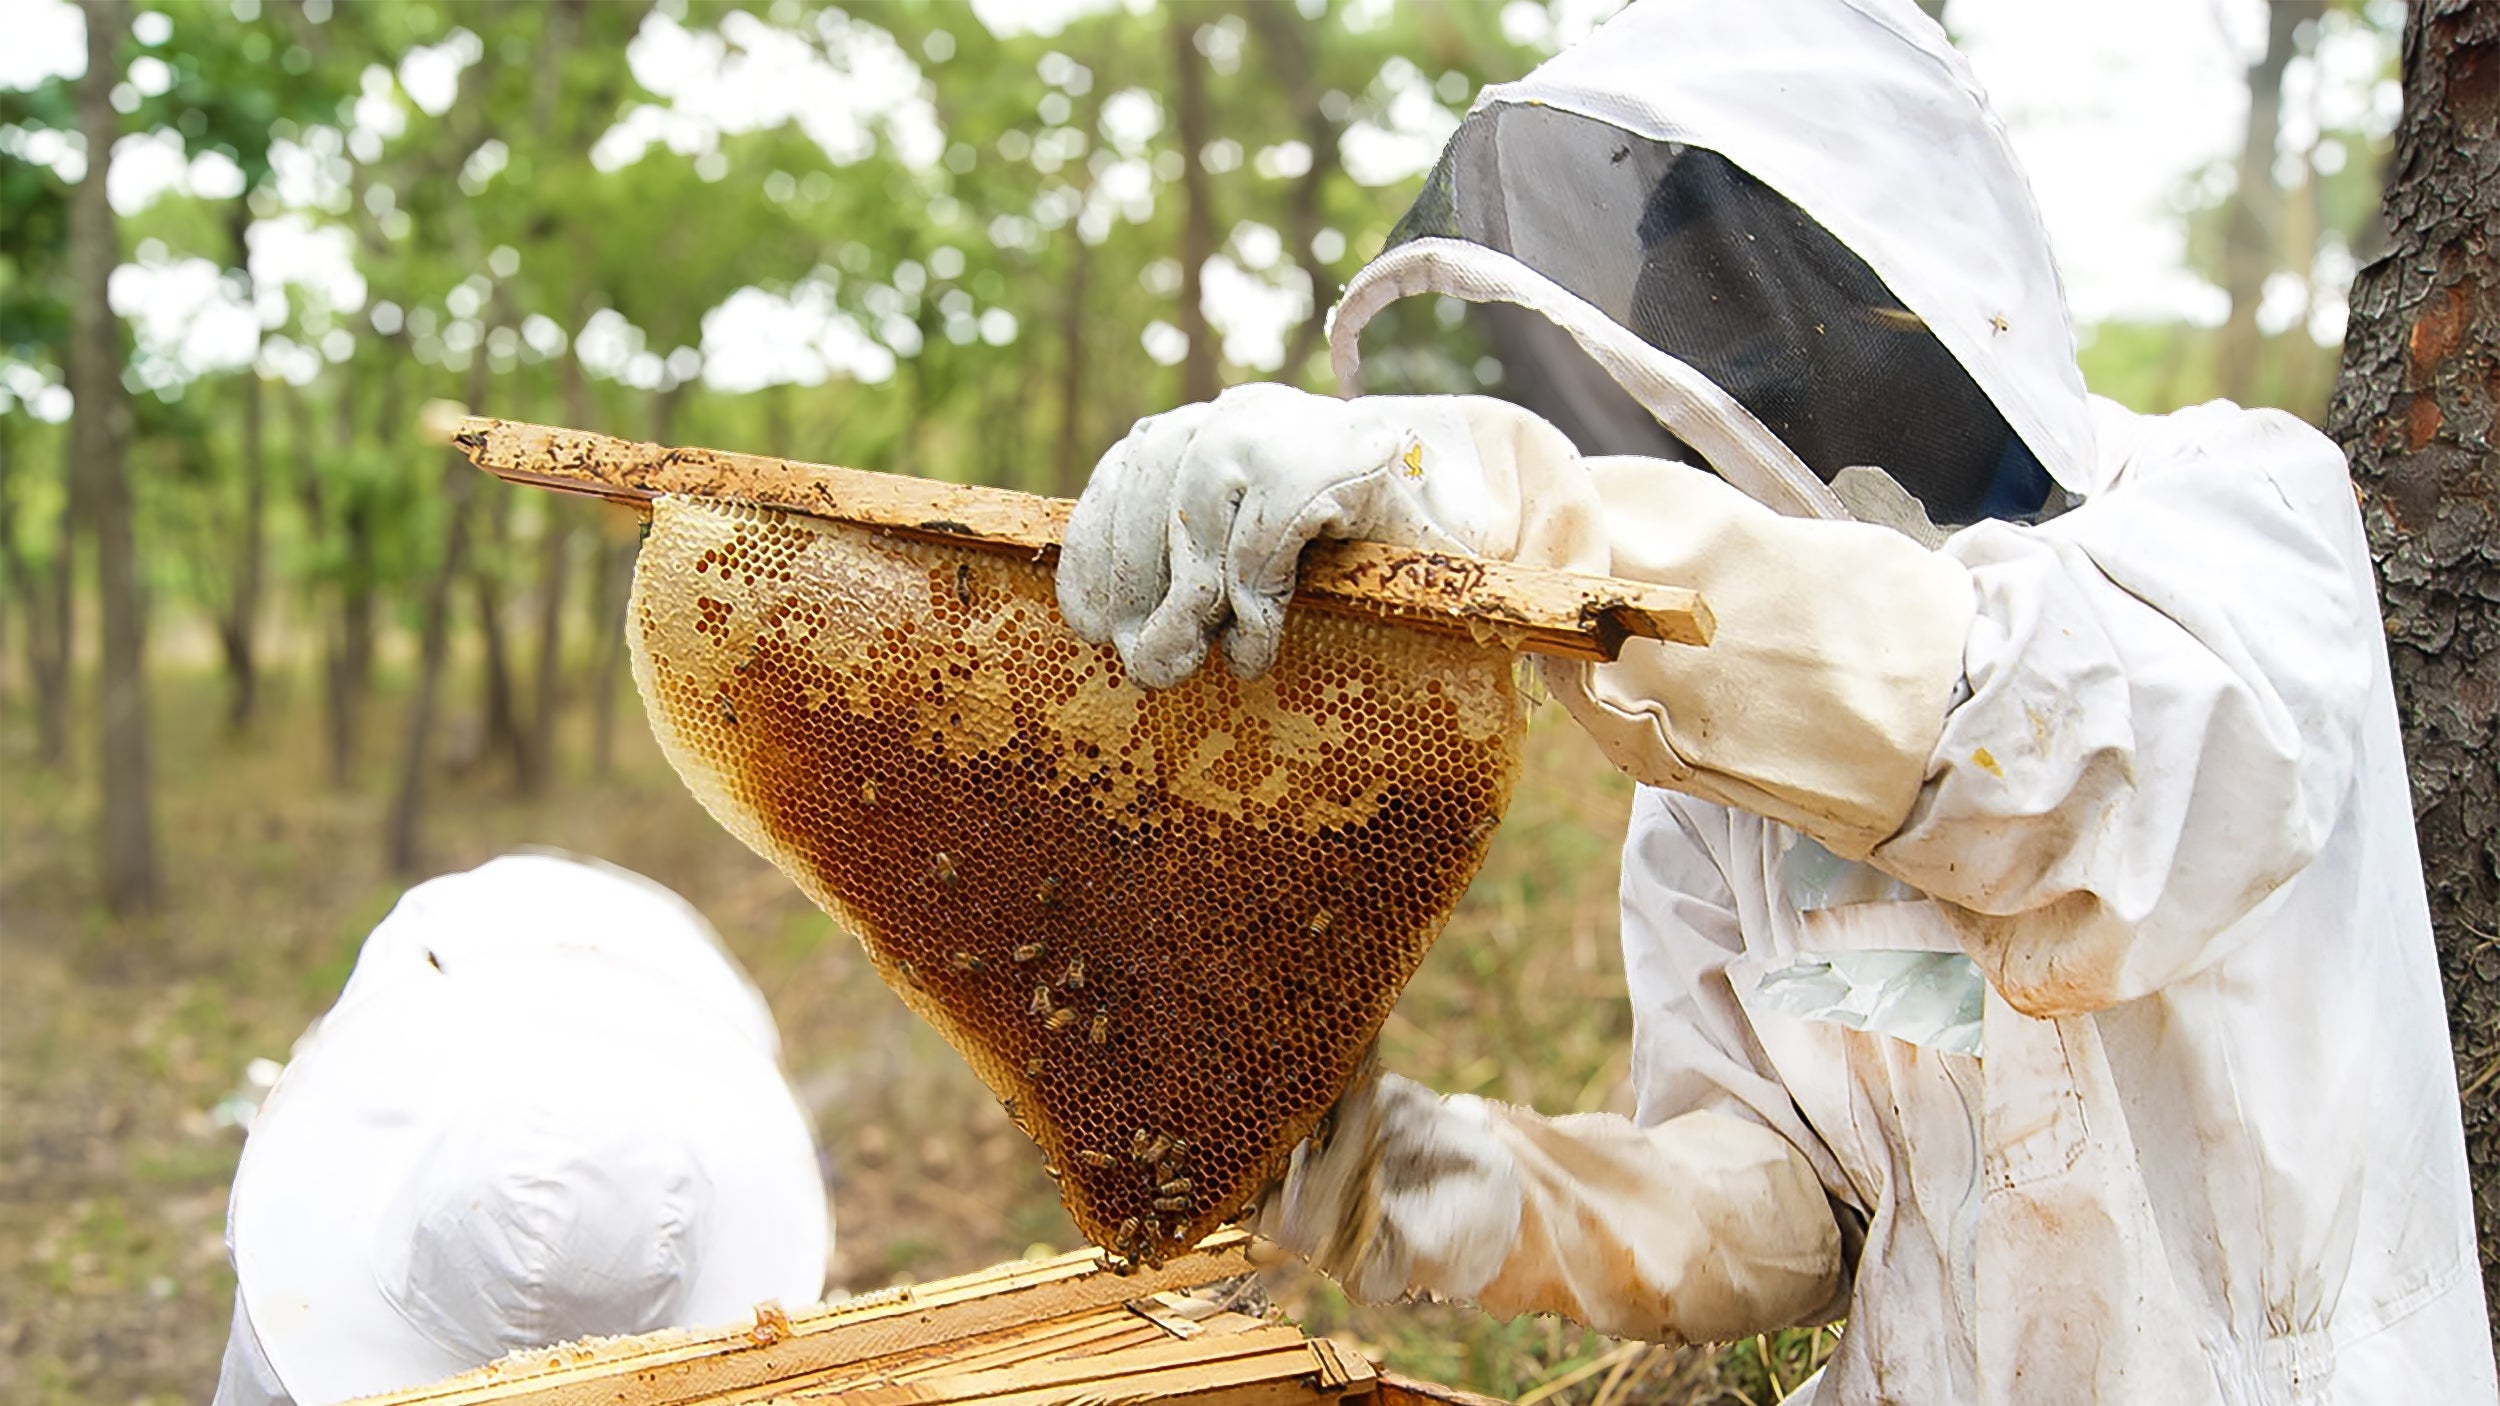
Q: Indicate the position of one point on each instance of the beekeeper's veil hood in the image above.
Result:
(1790, 229)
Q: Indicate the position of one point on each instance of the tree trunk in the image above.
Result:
(100, 430)
(238, 625)
(1189, 84)
(1287, 36)
(555, 570)
(416, 753)
(2249, 244)
(503, 730)
(1069, 465)
(434, 644)
(43, 594)
(2414, 408)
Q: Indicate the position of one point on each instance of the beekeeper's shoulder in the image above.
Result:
(2269, 454)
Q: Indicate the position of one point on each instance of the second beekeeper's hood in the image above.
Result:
(1790, 229)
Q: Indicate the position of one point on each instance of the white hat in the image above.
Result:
(543, 1108)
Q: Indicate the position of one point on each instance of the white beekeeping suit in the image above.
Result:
(2024, 924)
(547, 1105)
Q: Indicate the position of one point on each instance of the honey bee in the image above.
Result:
(1172, 1203)
(1319, 922)
(1060, 1019)
(1074, 978)
(1177, 1186)
(910, 973)
(1158, 1149)
(1100, 1030)
(1040, 1004)
(944, 867)
(1048, 894)
(868, 793)
(1094, 1159)
(1138, 1143)
(968, 962)
(1027, 951)
(1033, 1067)
(1128, 1232)
(728, 710)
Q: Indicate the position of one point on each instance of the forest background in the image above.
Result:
(267, 654)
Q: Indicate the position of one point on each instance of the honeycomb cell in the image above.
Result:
(1163, 927)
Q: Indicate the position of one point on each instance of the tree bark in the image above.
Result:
(238, 624)
(1189, 88)
(2415, 409)
(2249, 243)
(100, 430)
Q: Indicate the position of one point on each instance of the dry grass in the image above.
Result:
(118, 1040)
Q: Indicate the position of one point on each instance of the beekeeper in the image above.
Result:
(547, 1104)
(2028, 947)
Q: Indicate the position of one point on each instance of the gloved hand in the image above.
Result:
(1403, 1188)
(1194, 524)
(1702, 1228)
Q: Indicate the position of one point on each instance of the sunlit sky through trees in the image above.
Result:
(2126, 112)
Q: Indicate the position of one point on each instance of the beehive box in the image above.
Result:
(1030, 1333)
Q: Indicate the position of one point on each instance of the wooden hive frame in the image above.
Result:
(1054, 1332)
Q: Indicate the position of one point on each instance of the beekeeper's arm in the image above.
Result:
(2124, 729)
(1704, 1219)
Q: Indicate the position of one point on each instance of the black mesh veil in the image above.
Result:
(1682, 247)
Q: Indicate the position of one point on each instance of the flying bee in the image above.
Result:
(1027, 951)
(1074, 978)
(944, 867)
(1094, 1159)
(1060, 1019)
(1040, 1004)
(1099, 1030)
(968, 962)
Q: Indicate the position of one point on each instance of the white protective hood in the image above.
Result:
(1860, 114)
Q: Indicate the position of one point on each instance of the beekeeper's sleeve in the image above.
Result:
(2166, 688)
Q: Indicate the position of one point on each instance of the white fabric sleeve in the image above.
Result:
(2166, 688)
(1700, 1229)
(1839, 644)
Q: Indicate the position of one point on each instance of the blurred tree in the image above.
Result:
(2253, 234)
(36, 558)
(101, 426)
(2414, 409)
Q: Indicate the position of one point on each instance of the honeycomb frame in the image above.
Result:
(1162, 926)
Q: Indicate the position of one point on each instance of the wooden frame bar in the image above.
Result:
(1526, 608)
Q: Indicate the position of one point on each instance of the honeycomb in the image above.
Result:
(1163, 927)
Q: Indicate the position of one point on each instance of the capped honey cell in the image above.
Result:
(1235, 877)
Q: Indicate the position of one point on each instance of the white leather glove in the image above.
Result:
(1194, 524)
(1818, 703)
(1701, 1229)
